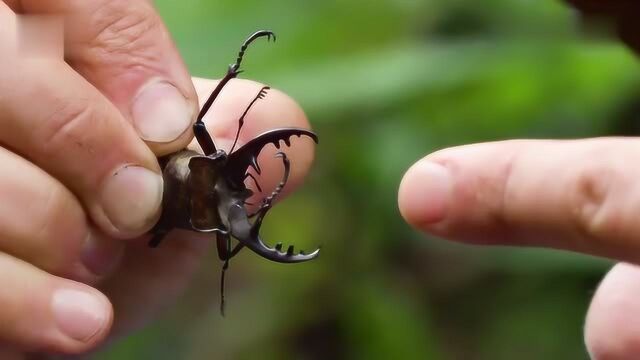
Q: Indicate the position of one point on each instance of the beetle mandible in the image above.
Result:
(206, 192)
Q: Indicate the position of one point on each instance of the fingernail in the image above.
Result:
(424, 193)
(160, 112)
(131, 199)
(79, 315)
(100, 254)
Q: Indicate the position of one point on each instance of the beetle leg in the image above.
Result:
(157, 237)
(261, 94)
(224, 244)
(250, 39)
(267, 203)
(236, 250)
(200, 131)
(204, 138)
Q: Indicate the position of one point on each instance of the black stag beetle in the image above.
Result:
(207, 193)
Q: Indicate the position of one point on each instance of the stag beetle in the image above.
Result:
(207, 193)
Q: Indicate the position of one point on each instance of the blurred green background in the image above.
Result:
(385, 82)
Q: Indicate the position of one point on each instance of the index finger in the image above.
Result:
(577, 195)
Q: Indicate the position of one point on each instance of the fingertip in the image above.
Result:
(611, 327)
(100, 255)
(131, 201)
(424, 194)
(83, 317)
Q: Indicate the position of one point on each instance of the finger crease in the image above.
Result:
(591, 194)
(506, 188)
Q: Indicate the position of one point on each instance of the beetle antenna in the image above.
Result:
(268, 201)
(261, 94)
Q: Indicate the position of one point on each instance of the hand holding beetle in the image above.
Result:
(78, 145)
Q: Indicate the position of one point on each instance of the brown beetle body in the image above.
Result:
(189, 203)
(206, 192)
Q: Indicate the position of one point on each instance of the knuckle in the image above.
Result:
(68, 125)
(58, 214)
(499, 196)
(57, 218)
(590, 196)
(122, 27)
(44, 220)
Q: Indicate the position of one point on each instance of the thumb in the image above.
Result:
(124, 49)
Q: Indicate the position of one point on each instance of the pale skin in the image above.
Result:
(578, 195)
(80, 184)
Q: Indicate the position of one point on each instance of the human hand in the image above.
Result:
(75, 172)
(580, 195)
(77, 175)
(147, 280)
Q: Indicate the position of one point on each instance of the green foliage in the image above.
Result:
(384, 83)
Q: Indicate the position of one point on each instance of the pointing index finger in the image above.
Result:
(576, 195)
